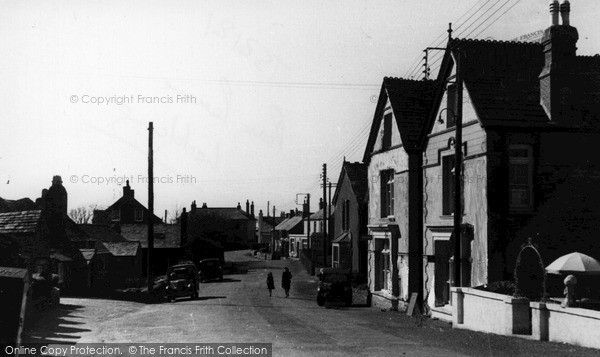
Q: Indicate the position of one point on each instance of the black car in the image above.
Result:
(210, 269)
(182, 280)
(335, 285)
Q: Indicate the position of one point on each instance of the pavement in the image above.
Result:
(239, 309)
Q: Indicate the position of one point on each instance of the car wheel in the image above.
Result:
(320, 300)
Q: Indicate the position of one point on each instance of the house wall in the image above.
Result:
(566, 195)
(475, 191)
(395, 159)
(351, 256)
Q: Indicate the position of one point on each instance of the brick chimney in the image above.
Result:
(247, 206)
(55, 210)
(557, 88)
(321, 203)
(127, 191)
(239, 206)
(252, 209)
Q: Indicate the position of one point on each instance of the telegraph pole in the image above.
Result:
(457, 171)
(150, 206)
(308, 245)
(324, 215)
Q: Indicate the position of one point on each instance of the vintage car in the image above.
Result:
(210, 269)
(182, 280)
(334, 286)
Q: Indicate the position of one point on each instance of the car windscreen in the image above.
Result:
(180, 274)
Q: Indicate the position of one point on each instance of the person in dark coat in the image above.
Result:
(286, 281)
(270, 283)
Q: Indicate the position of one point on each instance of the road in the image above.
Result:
(239, 309)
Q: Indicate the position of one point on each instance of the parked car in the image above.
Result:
(334, 285)
(182, 280)
(210, 269)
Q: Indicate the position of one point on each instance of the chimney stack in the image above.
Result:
(203, 204)
(239, 206)
(193, 206)
(321, 203)
(127, 191)
(292, 213)
(557, 90)
(183, 230)
(252, 209)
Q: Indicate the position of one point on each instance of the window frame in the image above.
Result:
(386, 137)
(451, 104)
(135, 215)
(448, 184)
(387, 178)
(514, 160)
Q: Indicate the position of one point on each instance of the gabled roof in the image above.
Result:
(230, 213)
(290, 224)
(122, 249)
(357, 174)
(165, 235)
(411, 103)
(319, 214)
(502, 80)
(101, 232)
(20, 222)
(125, 200)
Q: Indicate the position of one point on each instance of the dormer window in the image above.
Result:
(386, 141)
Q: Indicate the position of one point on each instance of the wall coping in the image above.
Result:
(490, 295)
(587, 313)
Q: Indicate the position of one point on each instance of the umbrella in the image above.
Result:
(575, 263)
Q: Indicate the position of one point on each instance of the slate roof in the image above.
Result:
(289, 223)
(231, 213)
(411, 103)
(319, 214)
(165, 235)
(122, 249)
(502, 80)
(101, 232)
(20, 222)
(23, 204)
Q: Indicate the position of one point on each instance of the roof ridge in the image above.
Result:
(503, 42)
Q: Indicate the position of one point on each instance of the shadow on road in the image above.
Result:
(225, 280)
(54, 326)
(201, 298)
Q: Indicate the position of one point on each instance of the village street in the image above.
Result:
(239, 309)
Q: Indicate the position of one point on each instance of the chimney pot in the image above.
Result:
(554, 12)
(565, 10)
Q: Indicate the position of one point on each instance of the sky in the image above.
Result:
(247, 98)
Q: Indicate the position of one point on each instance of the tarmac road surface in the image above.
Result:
(239, 309)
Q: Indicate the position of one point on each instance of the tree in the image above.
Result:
(83, 215)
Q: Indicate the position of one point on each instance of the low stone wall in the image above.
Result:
(551, 322)
(484, 311)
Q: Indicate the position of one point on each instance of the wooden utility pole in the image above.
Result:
(150, 206)
(308, 245)
(458, 157)
(324, 215)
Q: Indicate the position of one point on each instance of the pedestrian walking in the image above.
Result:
(270, 283)
(286, 281)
